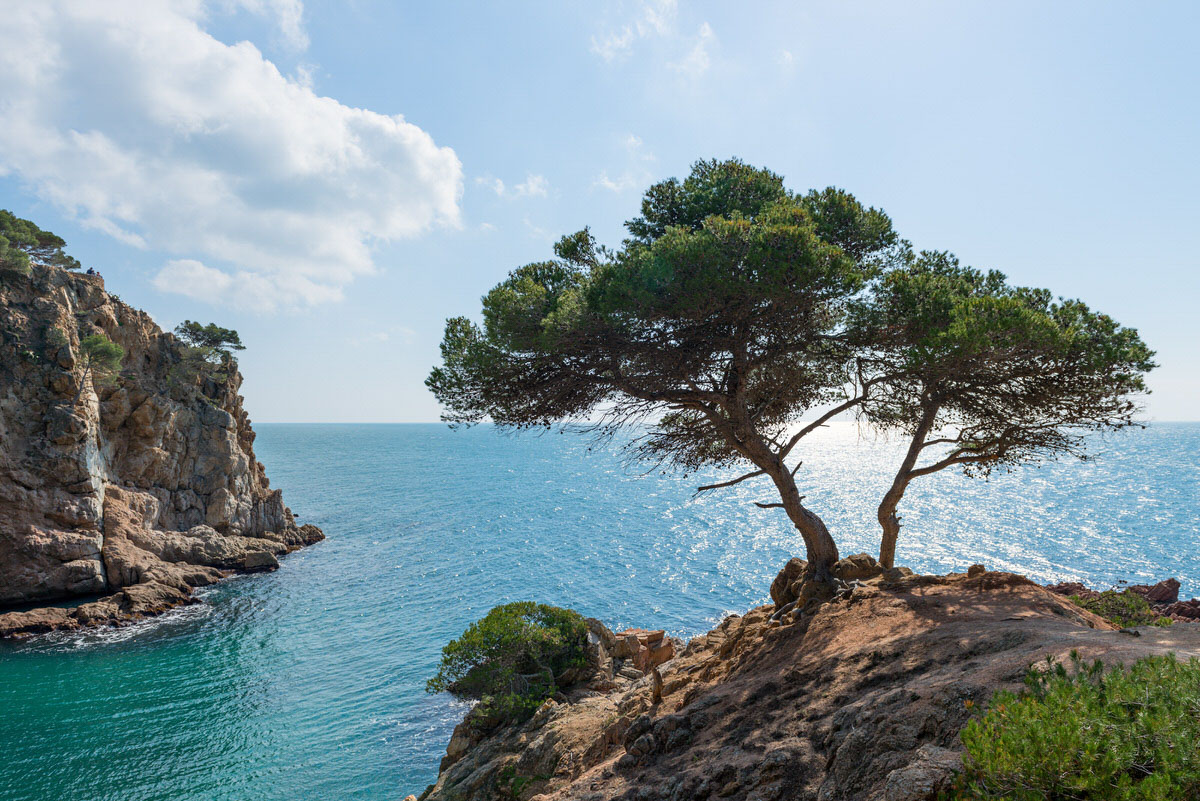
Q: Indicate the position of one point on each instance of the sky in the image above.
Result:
(335, 179)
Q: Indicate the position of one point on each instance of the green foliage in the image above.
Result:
(207, 353)
(511, 660)
(725, 288)
(737, 309)
(101, 358)
(101, 355)
(211, 342)
(22, 241)
(1122, 608)
(1127, 734)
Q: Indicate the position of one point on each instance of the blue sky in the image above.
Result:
(335, 179)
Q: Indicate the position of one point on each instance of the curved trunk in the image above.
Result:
(821, 550)
(890, 523)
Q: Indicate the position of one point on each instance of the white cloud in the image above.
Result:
(533, 186)
(786, 59)
(653, 18)
(494, 184)
(697, 61)
(287, 14)
(131, 117)
(619, 185)
(636, 176)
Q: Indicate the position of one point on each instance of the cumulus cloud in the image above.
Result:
(131, 117)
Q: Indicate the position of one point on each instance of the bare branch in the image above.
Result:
(768, 505)
(730, 483)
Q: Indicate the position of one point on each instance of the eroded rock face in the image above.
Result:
(150, 480)
(857, 699)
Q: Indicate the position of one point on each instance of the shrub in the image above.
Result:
(1128, 734)
(1124, 609)
(511, 660)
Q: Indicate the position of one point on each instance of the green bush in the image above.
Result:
(1128, 734)
(1124, 609)
(511, 660)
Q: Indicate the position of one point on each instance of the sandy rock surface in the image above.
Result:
(859, 698)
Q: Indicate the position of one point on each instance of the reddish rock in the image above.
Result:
(1072, 588)
(1183, 610)
(645, 649)
(1164, 592)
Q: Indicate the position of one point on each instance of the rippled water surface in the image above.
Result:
(308, 682)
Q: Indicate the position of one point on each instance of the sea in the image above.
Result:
(309, 682)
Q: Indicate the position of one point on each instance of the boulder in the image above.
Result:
(859, 566)
(1183, 610)
(1164, 592)
(644, 649)
(781, 592)
(259, 562)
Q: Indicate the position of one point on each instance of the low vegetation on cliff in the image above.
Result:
(511, 660)
(736, 307)
(1125, 734)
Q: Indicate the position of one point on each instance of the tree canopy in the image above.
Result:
(214, 342)
(986, 375)
(101, 361)
(736, 310)
(22, 241)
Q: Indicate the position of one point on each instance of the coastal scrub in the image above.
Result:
(511, 660)
(1125, 734)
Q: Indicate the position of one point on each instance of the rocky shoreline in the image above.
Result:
(137, 489)
(860, 696)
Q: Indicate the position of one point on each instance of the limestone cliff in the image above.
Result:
(143, 487)
(857, 698)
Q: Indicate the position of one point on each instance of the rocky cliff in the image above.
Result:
(857, 698)
(137, 489)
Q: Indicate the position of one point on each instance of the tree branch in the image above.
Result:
(731, 482)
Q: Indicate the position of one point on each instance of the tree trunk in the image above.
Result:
(82, 386)
(821, 550)
(890, 522)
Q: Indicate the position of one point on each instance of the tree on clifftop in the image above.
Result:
(983, 375)
(720, 322)
(736, 307)
(21, 241)
(207, 352)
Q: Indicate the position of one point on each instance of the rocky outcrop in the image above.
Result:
(858, 697)
(138, 489)
(1163, 598)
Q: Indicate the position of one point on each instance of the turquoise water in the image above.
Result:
(307, 682)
